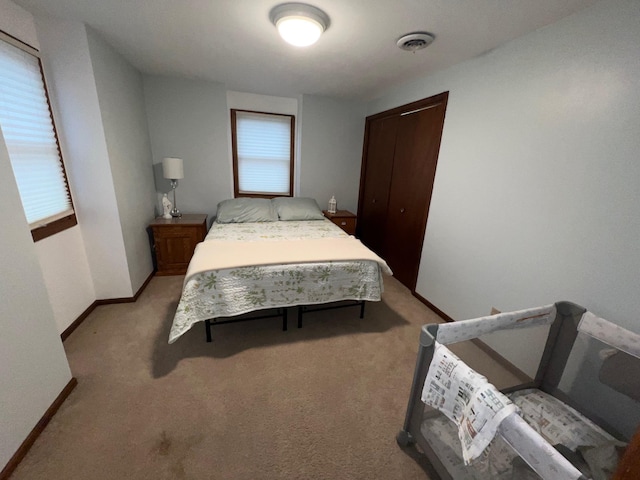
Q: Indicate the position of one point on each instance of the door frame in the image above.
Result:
(440, 98)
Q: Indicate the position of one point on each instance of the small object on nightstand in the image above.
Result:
(333, 205)
(174, 241)
(166, 206)
(344, 219)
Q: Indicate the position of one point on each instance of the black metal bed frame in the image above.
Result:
(281, 312)
(302, 309)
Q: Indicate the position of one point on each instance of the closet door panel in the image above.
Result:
(414, 168)
(377, 181)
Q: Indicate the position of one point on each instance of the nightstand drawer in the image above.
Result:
(344, 219)
(347, 224)
(173, 232)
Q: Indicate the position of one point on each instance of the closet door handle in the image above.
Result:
(402, 210)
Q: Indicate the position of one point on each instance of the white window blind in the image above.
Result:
(27, 128)
(264, 150)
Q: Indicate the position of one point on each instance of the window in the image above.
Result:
(262, 146)
(27, 126)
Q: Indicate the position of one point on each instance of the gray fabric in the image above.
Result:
(297, 208)
(621, 372)
(246, 210)
(603, 460)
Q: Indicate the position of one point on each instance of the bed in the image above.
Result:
(264, 256)
(572, 421)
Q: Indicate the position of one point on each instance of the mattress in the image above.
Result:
(556, 422)
(230, 292)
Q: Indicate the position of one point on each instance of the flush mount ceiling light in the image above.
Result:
(298, 23)
(415, 41)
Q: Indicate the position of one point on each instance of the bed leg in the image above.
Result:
(207, 326)
(284, 319)
(362, 309)
(300, 316)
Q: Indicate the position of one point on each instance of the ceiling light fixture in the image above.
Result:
(298, 23)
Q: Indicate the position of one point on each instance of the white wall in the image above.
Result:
(189, 119)
(114, 192)
(33, 366)
(331, 150)
(108, 254)
(17, 22)
(72, 85)
(536, 193)
(269, 104)
(68, 299)
(65, 267)
(121, 99)
(262, 103)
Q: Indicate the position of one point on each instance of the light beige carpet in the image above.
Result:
(322, 402)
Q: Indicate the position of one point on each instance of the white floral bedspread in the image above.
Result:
(273, 231)
(235, 291)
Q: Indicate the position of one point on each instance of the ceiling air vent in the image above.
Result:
(415, 41)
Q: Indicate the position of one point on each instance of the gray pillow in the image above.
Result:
(246, 210)
(297, 208)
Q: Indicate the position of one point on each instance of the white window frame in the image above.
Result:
(63, 220)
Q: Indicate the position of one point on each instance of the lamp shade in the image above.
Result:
(172, 168)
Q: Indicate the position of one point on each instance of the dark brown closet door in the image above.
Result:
(398, 169)
(414, 167)
(377, 181)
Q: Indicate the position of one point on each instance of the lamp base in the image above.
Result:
(175, 212)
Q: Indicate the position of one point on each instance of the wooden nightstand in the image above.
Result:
(175, 240)
(344, 219)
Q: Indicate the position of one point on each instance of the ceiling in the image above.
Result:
(234, 43)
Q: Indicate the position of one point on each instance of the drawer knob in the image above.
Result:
(343, 223)
(402, 210)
